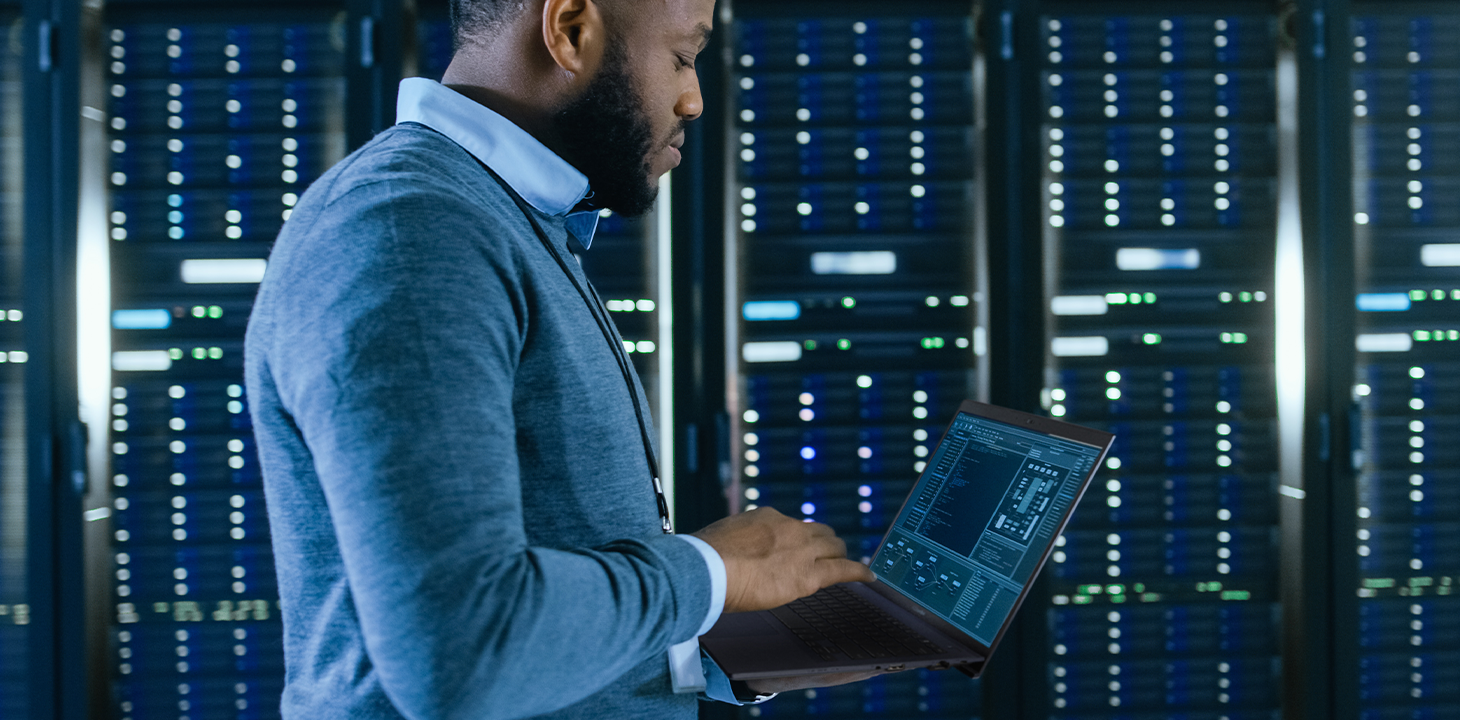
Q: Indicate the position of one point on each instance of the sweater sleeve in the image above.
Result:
(395, 360)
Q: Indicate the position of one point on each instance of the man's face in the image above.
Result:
(625, 129)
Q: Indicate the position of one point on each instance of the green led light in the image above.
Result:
(1225, 297)
(1422, 335)
(1213, 586)
(1236, 595)
(1379, 583)
(809, 344)
(1421, 581)
(844, 344)
(1115, 298)
(199, 311)
(1115, 589)
(1150, 597)
(1417, 295)
(200, 353)
(1135, 298)
(215, 312)
(215, 353)
(1438, 295)
(1245, 296)
(1090, 589)
(1150, 298)
(1139, 587)
(1117, 598)
(932, 343)
(849, 302)
(175, 353)
(1083, 599)
(1151, 339)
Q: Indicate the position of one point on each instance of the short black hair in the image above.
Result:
(471, 18)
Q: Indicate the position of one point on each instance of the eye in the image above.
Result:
(685, 61)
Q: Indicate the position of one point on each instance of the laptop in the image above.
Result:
(952, 570)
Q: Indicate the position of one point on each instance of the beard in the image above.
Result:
(607, 135)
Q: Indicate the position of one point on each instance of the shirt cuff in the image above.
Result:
(718, 581)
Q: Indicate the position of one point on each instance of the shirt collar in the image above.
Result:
(547, 182)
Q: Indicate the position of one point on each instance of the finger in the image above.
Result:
(819, 529)
(828, 547)
(833, 571)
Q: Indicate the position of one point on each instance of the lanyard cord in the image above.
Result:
(605, 326)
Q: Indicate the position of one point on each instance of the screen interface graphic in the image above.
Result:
(979, 520)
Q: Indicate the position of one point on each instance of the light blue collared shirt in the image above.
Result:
(547, 182)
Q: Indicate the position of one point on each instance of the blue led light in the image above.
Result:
(141, 319)
(808, 453)
(1382, 302)
(771, 310)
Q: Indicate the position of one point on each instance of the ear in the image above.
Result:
(574, 35)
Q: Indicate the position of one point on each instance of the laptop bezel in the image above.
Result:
(1015, 418)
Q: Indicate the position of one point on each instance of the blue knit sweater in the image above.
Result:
(462, 515)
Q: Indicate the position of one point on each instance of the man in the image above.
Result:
(455, 452)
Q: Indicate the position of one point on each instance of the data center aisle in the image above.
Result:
(219, 117)
(852, 151)
(1160, 206)
(1405, 68)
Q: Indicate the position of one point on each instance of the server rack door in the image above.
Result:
(15, 670)
(1159, 231)
(850, 152)
(219, 117)
(1405, 70)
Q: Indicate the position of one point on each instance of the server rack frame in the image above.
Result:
(55, 436)
(698, 256)
(375, 47)
(1015, 262)
(1319, 652)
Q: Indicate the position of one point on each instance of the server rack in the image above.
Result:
(1159, 192)
(1404, 73)
(15, 676)
(849, 154)
(218, 119)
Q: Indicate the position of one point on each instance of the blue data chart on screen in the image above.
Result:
(852, 147)
(1405, 74)
(218, 120)
(15, 607)
(979, 520)
(1159, 206)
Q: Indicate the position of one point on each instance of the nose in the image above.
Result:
(691, 104)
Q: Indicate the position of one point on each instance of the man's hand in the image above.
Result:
(771, 559)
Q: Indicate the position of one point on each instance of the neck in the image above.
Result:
(500, 78)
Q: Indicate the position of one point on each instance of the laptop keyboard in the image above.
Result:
(836, 620)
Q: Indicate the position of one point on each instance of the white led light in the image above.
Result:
(223, 270)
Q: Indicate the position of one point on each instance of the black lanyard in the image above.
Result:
(600, 315)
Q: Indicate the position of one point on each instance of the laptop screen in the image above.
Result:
(979, 520)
